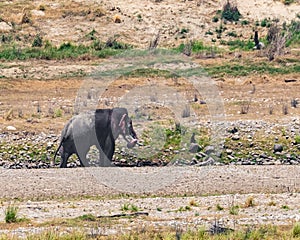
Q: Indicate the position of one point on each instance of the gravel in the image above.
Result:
(188, 202)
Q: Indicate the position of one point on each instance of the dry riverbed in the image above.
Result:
(185, 197)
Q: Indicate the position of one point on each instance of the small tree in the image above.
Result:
(37, 41)
(277, 42)
(230, 12)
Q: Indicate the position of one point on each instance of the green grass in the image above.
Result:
(240, 44)
(219, 207)
(297, 139)
(87, 217)
(150, 72)
(11, 214)
(64, 51)
(234, 210)
(296, 230)
(294, 39)
(237, 69)
(197, 47)
(230, 12)
(129, 207)
(250, 233)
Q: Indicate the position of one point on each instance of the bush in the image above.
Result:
(239, 44)
(11, 214)
(296, 230)
(245, 22)
(265, 23)
(232, 34)
(230, 12)
(234, 210)
(215, 19)
(87, 217)
(294, 34)
(37, 41)
(57, 113)
(297, 139)
(288, 2)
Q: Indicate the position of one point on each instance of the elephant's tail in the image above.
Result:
(60, 145)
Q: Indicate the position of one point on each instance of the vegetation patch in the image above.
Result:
(64, 51)
(237, 69)
(230, 12)
(165, 233)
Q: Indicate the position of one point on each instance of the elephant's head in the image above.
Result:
(122, 125)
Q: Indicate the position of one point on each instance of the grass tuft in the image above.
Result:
(296, 230)
(11, 213)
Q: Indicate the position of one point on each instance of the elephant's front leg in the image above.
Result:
(83, 160)
(106, 152)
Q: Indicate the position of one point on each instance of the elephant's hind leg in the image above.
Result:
(64, 158)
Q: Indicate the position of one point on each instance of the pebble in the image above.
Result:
(11, 128)
(22, 149)
(278, 148)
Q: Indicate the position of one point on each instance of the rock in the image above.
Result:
(263, 155)
(5, 27)
(209, 150)
(201, 155)
(235, 137)
(49, 145)
(229, 151)
(11, 128)
(278, 148)
(194, 148)
(209, 161)
(233, 130)
(37, 13)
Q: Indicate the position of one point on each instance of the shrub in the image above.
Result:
(278, 42)
(232, 34)
(215, 19)
(91, 35)
(219, 207)
(37, 41)
(296, 230)
(272, 204)
(230, 12)
(245, 22)
(234, 210)
(57, 113)
(42, 8)
(265, 23)
(285, 207)
(209, 32)
(288, 2)
(285, 109)
(293, 33)
(11, 214)
(193, 203)
(129, 207)
(186, 112)
(249, 202)
(297, 139)
(87, 217)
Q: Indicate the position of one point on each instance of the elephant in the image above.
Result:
(100, 128)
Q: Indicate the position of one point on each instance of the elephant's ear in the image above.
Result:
(122, 123)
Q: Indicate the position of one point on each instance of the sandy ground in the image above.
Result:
(184, 197)
(165, 181)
